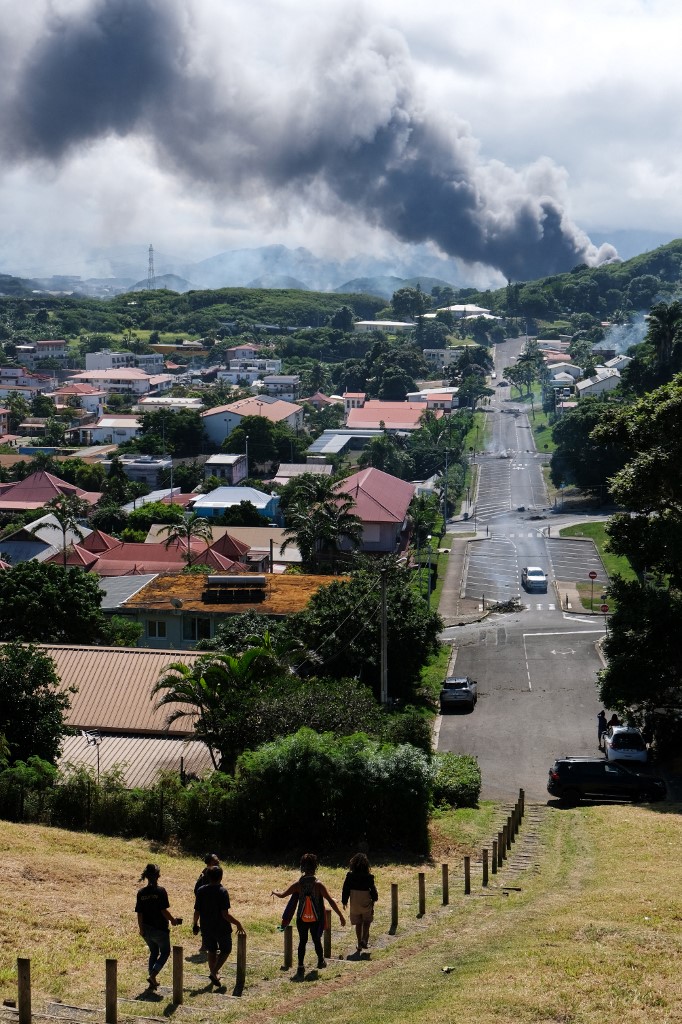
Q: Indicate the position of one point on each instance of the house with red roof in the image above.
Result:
(377, 415)
(381, 503)
(36, 490)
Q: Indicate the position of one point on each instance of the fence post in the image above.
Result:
(522, 801)
(505, 842)
(467, 875)
(422, 893)
(485, 867)
(241, 964)
(177, 975)
(394, 908)
(445, 869)
(510, 833)
(493, 859)
(327, 939)
(111, 993)
(288, 947)
(24, 990)
(500, 849)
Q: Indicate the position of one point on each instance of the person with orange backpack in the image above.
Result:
(310, 894)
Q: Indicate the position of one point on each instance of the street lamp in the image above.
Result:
(246, 443)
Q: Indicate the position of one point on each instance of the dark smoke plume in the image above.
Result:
(345, 133)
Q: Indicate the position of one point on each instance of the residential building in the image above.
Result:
(618, 362)
(49, 348)
(36, 490)
(336, 440)
(441, 358)
(82, 396)
(130, 558)
(230, 468)
(220, 421)
(287, 471)
(144, 469)
(179, 610)
(353, 400)
(218, 501)
(461, 310)
(4, 422)
(381, 503)
(443, 398)
(39, 540)
(166, 403)
(113, 429)
(286, 386)
(263, 545)
(106, 360)
(388, 326)
(387, 415)
(125, 381)
(597, 385)
(576, 372)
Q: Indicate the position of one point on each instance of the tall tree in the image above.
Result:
(69, 510)
(192, 527)
(665, 325)
(32, 705)
(320, 521)
(45, 603)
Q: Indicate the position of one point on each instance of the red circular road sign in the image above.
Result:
(604, 608)
(593, 575)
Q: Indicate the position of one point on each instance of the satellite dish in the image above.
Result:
(176, 602)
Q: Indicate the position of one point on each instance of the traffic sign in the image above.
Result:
(604, 608)
(593, 575)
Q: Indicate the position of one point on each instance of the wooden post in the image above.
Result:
(522, 801)
(505, 842)
(288, 947)
(500, 849)
(485, 867)
(467, 875)
(517, 818)
(177, 974)
(422, 893)
(445, 873)
(493, 859)
(394, 908)
(510, 833)
(241, 964)
(111, 992)
(327, 939)
(24, 990)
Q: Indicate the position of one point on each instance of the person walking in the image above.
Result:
(210, 860)
(153, 917)
(602, 726)
(311, 895)
(212, 916)
(613, 720)
(360, 889)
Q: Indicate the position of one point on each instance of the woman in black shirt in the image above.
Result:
(153, 917)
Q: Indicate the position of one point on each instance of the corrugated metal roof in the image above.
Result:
(117, 589)
(114, 687)
(141, 758)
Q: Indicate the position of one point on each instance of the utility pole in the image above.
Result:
(384, 642)
(445, 492)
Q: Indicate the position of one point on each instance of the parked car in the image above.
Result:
(503, 384)
(534, 578)
(458, 692)
(571, 779)
(623, 743)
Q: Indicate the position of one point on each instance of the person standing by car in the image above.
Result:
(310, 913)
(613, 720)
(360, 889)
(153, 918)
(212, 915)
(602, 726)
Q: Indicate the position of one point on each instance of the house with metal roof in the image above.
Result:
(381, 503)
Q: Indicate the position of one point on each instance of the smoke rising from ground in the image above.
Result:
(341, 130)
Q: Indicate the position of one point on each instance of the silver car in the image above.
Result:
(458, 692)
(534, 578)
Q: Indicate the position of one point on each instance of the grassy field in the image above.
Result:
(588, 933)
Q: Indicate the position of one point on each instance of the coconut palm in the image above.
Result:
(184, 532)
(319, 527)
(218, 692)
(68, 510)
(665, 323)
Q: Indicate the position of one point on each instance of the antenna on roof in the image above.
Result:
(151, 277)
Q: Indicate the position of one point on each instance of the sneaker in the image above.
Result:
(300, 971)
(321, 964)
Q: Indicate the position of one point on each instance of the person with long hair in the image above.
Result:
(360, 889)
(153, 918)
(311, 895)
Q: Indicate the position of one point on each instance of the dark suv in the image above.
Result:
(572, 778)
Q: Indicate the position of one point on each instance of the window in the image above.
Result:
(156, 628)
(196, 628)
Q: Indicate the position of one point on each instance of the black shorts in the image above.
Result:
(220, 940)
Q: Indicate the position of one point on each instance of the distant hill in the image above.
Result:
(17, 286)
(170, 281)
(278, 281)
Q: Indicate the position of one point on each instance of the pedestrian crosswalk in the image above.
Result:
(539, 607)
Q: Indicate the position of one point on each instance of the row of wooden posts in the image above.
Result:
(493, 859)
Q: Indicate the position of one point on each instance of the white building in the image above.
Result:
(125, 381)
(220, 421)
(597, 385)
(286, 386)
(111, 429)
(157, 403)
(230, 468)
(441, 357)
(461, 310)
(107, 360)
(82, 396)
(389, 326)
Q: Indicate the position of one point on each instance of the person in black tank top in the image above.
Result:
(310, 912)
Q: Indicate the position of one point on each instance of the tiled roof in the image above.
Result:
(394, 415)
(378, 496)
(273, 411)
(141, 758)
(114, 687)
(37, 489)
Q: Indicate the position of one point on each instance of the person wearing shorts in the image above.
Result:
(212, 915)
(360, 889)
(310, 894)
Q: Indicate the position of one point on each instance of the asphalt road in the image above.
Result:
(536, 669)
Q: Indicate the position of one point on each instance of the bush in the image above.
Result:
(456, 780)
(408, 726)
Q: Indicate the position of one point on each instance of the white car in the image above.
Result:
(623, 743)
(534, 578)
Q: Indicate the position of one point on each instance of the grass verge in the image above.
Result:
(614, 564)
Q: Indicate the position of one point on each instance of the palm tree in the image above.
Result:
(218, 692)
(665, 321)
(192, 526)
(319, 527)
(68, 510)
